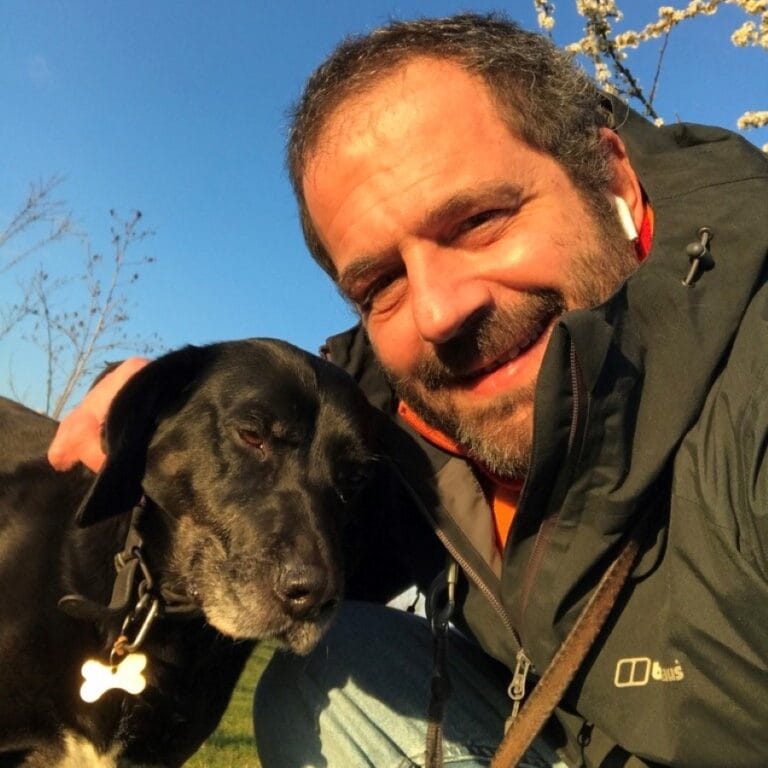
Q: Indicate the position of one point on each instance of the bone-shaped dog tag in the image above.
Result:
(99, 678)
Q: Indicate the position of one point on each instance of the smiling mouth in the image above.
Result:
(519, 349)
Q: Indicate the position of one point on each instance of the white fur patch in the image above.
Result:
(80, 753)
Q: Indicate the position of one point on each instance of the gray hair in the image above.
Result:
(540, 94)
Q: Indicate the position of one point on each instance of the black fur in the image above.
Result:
(251, 454)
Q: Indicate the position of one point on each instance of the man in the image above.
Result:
(569, 306)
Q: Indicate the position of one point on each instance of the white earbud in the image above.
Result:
(625, 217)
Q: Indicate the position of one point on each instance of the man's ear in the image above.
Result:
(130, 425)
(625, 183)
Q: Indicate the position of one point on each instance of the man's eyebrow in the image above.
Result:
(495, 194)
(354, 272)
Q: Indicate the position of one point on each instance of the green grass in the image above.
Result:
(231, 744)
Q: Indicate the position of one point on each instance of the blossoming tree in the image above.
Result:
(608, 49)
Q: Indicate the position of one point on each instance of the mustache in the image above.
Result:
(484, 337)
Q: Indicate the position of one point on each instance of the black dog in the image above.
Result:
(230, 471)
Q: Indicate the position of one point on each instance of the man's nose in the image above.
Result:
(445, 295)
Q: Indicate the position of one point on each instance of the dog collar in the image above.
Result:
(128, 589)
(138, 602)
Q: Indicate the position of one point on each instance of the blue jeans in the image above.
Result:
(360, 699)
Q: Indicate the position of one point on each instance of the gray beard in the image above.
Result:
(489, 435)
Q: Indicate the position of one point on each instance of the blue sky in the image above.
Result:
(179, 109)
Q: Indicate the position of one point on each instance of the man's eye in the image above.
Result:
(374, 291)
(478, 219)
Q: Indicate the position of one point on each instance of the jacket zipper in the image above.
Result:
(480, 584)
(471, 574)
(523, 665)
(579, 395)
(516, 690)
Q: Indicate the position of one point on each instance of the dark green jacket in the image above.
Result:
(654, 404)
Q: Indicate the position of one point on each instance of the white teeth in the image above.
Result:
(513, 353)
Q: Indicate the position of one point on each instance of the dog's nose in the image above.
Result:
(303, 590)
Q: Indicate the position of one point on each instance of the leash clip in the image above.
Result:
(122, 646)
(441, 604)
(147, 604)
(443, 589)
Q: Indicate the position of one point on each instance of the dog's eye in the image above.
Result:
(351, 479)
(252, 439)
(355, 476)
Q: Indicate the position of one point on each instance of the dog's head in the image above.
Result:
(256, 451)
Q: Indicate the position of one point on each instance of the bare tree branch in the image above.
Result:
(76, 319)
(657, 74)
(38, 209)
(74, 339)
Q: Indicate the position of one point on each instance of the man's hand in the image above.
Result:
(78, 437)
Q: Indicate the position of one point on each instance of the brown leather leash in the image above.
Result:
(566, 662)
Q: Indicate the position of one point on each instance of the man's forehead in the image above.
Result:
(379, 108)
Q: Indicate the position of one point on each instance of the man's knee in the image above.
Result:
(360, 698)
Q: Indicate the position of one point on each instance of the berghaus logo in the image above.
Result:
(641, 670)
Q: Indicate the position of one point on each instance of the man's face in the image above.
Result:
(461, 246)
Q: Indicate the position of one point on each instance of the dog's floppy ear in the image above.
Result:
(131, 422)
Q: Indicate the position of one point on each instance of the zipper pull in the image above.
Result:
(516, 690)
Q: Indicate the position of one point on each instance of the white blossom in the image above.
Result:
(757, 119)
